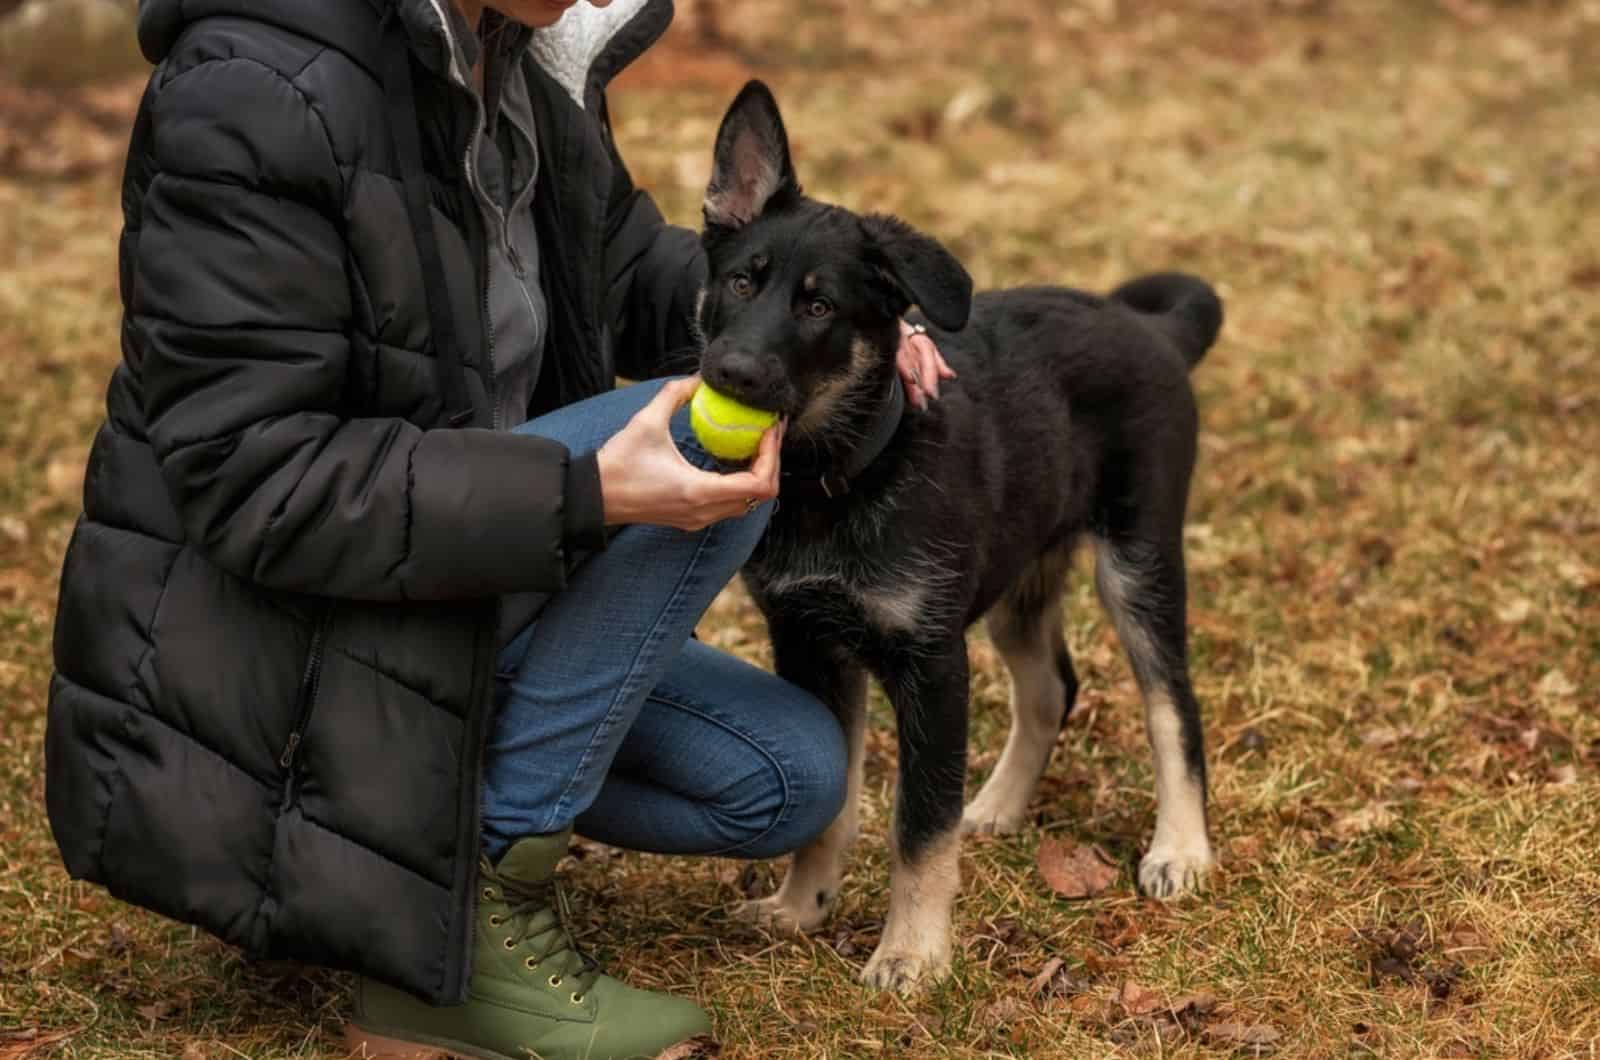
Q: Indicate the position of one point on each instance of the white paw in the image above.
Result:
(983, 817)
(902, 970)
(777, 914)
(1170, 871)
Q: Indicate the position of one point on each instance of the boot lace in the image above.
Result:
(538, 915)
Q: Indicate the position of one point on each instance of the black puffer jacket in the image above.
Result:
(277, 618)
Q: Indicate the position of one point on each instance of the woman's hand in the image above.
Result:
(644, 479)
(921, 365)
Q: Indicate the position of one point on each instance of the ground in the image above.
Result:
(1394, 539)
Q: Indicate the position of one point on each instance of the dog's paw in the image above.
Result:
(981, 818)
(1167, 872)
(776, 914)
(903, 970)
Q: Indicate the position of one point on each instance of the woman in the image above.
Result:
(380, 588)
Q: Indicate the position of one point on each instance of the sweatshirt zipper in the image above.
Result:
(469, 164)
(488, 343)
(309, 681)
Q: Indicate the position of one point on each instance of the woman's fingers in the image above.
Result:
(758, 483)
(906, 362)
(672, 397)
(929, 363)
(765, 466)
(921, 365)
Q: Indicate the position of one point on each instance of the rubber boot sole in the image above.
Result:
(365, 1045)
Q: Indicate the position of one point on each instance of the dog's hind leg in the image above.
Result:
(1142, 585)
(807, 894)
(1025, 627)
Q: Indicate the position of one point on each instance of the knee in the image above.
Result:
(803, 792)
(818, 798)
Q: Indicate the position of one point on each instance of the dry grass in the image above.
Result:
(1395, 542)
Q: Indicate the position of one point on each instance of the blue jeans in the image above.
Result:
(612, 719)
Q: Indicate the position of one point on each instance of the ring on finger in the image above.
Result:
(919, 329)
(751, 505)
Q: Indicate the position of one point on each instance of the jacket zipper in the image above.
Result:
(470, 806)
(308, 696)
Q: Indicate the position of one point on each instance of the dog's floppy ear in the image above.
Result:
(751, 169)
(923, 270)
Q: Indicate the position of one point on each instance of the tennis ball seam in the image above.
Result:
(721, 426)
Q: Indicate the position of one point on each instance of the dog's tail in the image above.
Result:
(1184, 308)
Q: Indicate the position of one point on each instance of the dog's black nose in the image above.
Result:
(739, 374)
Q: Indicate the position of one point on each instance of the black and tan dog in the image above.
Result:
(897, 529)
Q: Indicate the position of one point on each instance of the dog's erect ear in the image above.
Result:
(751, 169)
(924, 271)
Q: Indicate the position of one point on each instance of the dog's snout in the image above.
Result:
(740, 374)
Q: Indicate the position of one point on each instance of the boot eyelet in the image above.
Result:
(577, 999)
(495, 920)
(554, 980)
(510, 943)
(488, 894)
(529, 963)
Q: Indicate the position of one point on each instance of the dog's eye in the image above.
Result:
(741, 286)
(818, 308)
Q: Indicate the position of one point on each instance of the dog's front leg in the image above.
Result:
(929, 693)
(808, 891)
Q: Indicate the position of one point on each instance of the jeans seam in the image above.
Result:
(783, 776)
(648, 641)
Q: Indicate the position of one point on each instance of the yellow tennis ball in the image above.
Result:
(727, 429)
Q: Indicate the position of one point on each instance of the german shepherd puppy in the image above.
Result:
(1073, 418)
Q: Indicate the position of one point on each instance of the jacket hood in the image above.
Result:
(581, 52)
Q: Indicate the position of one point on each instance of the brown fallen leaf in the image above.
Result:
(25, 1042)
(1139, 1000)
(1076, 872)
(1258, 1037)
(1200, 1002)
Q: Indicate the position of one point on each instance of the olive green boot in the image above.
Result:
(532, 994)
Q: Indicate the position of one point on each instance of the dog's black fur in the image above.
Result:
(1072, 417)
